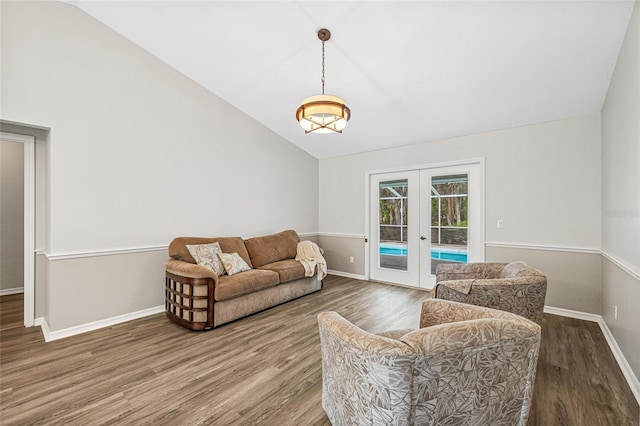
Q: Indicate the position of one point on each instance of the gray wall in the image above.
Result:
(546, 194)
(137, 155)
(621, 197)
(573, 278)
(338, 249)
(11, 215)
(542, 180)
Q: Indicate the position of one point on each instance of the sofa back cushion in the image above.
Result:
(272, 248)
(178, 247)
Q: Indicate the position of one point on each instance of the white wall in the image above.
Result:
(11, 215)
(138, 153)
(542, 180)
(621, 198)
(137, 147)
(621, 153)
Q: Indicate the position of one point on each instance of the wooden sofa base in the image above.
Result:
(190, 302)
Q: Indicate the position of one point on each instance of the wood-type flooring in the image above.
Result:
(264, 369)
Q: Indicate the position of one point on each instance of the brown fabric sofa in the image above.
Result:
(513, 287)
(197, 298)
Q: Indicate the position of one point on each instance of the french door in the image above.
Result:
(422, 218)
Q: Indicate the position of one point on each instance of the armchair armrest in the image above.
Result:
(467, 285)
(444, 339)
(439, 311)
(458, 271)
(334, 327)
(366, 379)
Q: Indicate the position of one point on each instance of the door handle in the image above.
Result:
(423, 238)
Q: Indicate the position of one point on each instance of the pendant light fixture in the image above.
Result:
(323, 113)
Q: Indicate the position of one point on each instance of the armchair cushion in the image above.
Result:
(519, 269)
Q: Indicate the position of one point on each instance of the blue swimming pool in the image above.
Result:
(393, 250)
(436, 253)
(451, 255)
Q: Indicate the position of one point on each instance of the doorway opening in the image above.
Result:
(27, 255)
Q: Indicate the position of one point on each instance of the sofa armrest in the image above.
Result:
(189, 270)
(438, 311)
(189, 294)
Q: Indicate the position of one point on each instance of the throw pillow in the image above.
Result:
(233, 263)
(207, 255)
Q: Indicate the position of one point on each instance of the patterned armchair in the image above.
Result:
(513, 287)
(465, 365)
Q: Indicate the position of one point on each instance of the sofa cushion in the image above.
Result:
(288, 269)
(206, 255)
(178, 247)
(230, 286)
(233, 263)
(272, 248)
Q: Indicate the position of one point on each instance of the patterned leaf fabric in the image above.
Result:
(233, 263)
(468, 366)
(513, 287)
(207, 255)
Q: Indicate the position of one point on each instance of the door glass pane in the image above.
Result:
(393, 205)
(449, 207)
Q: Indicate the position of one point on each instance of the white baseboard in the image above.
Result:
(628, 373)
(572, 314)
(96, 325)
(8, 291)
(44, 327)
(346, 274)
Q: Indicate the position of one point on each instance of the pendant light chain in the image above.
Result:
(323, 113)
(323, 67)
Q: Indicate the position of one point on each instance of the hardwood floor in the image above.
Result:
(264, 369)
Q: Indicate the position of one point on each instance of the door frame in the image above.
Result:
(411, 274)
(480, 161)
(29, 221)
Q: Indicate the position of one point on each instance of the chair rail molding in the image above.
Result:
(97, 253)
(341, 235)
(629, 269)
(524, 246)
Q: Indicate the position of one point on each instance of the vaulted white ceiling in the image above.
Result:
(411, 71)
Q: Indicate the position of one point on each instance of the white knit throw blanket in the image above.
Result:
(310, 255)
